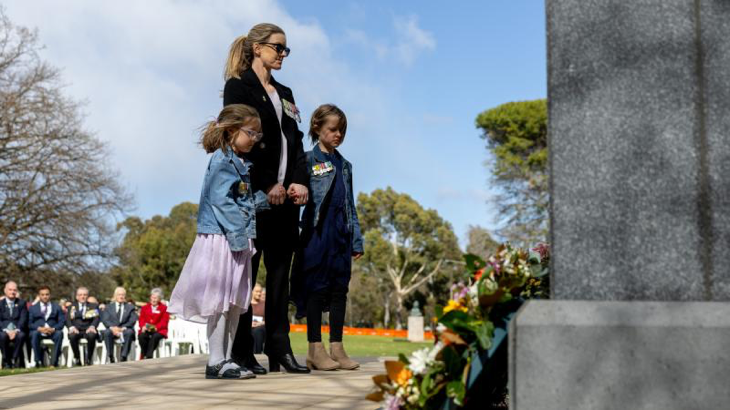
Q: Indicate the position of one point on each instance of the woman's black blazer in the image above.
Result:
(265, 154)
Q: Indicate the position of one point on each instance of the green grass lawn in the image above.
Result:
(10, 372)
(362, 346)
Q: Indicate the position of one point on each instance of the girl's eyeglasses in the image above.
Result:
(255, 136)
(279, 48)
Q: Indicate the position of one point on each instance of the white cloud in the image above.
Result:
(152, 74)
(409, 41)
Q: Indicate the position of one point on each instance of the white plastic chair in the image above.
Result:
(181, 334)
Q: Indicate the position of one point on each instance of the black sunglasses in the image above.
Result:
(279, 48)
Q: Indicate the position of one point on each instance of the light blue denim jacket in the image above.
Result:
(319, 186)
(227, 204)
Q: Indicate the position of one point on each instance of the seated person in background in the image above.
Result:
(92, 299)
(119, 318)
(13, 325)
(82, 321)
(62, 305)
(153, 320)
(258, 327)
(46, 322)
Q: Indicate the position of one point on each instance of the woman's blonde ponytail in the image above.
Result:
(240, 55)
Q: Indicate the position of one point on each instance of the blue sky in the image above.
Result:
(411, 76)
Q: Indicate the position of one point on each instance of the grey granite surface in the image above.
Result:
(639, 149)
(620, 355)
(715, 23)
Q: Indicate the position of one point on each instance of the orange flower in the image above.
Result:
(398, 372)
(403, 376)
(478, 274)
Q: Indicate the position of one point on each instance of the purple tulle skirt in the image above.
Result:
(213, 279)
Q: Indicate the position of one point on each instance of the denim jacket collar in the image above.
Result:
(242, 166)
(319, 156)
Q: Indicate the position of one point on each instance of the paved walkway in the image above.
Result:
(178, 383)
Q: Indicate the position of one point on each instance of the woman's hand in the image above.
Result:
(356, 255)
(298, 193)
(276, 194)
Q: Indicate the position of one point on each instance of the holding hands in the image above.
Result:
(298, 193)
(276, 194)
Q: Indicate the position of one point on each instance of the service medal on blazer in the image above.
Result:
(291, 110)
(91, 313)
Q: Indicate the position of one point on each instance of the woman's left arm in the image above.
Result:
(300, 178)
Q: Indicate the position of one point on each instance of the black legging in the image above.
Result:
(316, 301)
(277, 230)
(148, 341)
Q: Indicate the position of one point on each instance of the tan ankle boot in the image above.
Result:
(318, 359)
(337, 352)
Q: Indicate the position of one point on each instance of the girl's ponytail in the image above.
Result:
(213, 137)
(219, 133)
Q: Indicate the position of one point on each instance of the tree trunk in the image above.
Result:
(386, 318)
(399, 312)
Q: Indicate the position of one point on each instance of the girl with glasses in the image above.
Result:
(215, 284)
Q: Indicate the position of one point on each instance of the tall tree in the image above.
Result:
(58, 196)
(405, 244)
(481, 242)
(516, 136)
(153, 252)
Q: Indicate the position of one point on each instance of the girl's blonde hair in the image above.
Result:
(319, 116)
(240, 56)
(219, 133)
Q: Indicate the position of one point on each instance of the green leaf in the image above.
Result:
(456, 390)
(403, 358)
(473, 262)
(459, 322)
(454, 362)
(484, 334)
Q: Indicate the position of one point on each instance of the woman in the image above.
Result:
(279, 169)
(153, 320)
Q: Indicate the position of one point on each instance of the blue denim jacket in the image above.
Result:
(227, 205)
(319, 186)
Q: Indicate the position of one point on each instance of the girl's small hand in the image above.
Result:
(276, 194)
(300, 193)
(356, 255)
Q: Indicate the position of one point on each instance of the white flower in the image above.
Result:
(422, 359)
(419, 361)
(413, 399)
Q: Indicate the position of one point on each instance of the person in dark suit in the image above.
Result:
(280, 171)
(119, 318)
(46, 322)
(13, 325)
(82, 321)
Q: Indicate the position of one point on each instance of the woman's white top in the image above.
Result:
(284, 147)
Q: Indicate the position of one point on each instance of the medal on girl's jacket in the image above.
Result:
(324, 168)
(291, 110)
(242, 188)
